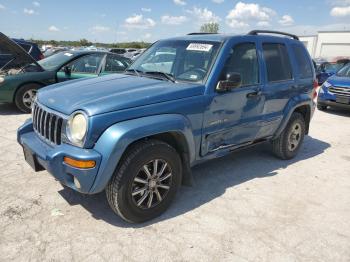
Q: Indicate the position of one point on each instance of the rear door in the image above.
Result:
(86, 66)
(280, 85)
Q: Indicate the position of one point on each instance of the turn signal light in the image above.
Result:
(79, 163)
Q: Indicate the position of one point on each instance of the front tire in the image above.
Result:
(25, 96)
(145, 182)
(321, 107)
(287, 145)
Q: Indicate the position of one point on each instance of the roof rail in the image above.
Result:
(202, 33)
(256, 32)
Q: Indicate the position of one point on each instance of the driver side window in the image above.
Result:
(243, 60)
(88, 64)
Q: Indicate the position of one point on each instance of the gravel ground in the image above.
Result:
(248, 206)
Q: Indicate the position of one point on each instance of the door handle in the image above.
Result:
(254, 94)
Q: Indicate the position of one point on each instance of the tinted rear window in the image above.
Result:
(277, 62)
(303, 61)
(25, 47)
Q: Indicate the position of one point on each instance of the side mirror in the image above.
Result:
(233, 80)
(67, 70)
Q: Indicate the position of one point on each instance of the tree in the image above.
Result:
(211, 27)
(84, 42)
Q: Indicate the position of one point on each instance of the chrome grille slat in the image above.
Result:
(340, 90)
(45, 121)
(55, 131)
(47, 124)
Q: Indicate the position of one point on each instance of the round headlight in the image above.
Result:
(2, 80)
(77, 128)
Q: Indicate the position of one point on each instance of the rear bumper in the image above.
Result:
(51, 159)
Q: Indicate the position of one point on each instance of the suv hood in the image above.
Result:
(12, 56)
(113, 92)
(339, 81)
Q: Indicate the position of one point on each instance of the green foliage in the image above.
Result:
(210, 28)
(85, 42)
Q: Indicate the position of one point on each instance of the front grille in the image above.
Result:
(47, 124)
(339, 90)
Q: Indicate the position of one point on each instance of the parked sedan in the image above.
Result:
(336, 90)
(22, 76)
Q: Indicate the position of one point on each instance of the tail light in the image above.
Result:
(41, 56)
(314, 90)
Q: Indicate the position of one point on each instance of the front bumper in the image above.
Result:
(329, 99)
(51, 158)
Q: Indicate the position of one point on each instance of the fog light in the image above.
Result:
(76, 183)
(84, 164)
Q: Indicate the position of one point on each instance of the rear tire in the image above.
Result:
(139, 190)
(25, 96)
(287, 145)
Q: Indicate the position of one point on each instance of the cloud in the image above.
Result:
(53, 29)
(203, 15)
(263, 24)
(144, 9)
(2, 7)
(245, 13)
(147, 36)
(35, 3)
(99, 29)
(217, 1)
(173, 20)
(286, 20)
(340, 11)
(138, 21)
(28, 11)
(179, 2)
(339, 2)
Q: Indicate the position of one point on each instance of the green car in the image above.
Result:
(21, 76)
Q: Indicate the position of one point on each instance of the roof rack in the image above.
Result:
(256, 32)
(202, 33)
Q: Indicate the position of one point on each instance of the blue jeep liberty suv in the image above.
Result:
(185, 100)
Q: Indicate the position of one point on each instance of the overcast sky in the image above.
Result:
(129, 20)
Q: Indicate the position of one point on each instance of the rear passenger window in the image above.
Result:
(243, 60)
(303, 62)
(277, 62)
(25, 47)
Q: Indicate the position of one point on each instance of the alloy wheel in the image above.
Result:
(151, 184)
(28, 97)
(294, 137)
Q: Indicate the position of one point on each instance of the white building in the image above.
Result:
(328, 44)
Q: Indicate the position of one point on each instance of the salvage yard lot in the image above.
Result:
(248, 206)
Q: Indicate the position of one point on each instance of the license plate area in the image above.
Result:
(342, 99)
(31, 159)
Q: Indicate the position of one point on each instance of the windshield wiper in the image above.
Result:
(135, 71)
(169, 77)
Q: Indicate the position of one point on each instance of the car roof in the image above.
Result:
(82, 52)
(79, 52)
(225, 37)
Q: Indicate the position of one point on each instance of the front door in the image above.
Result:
(82, 67)
(233, 116)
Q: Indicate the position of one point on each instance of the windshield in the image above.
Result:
(55, 61)
(345, 71)
(188, 61)
(328, 67)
